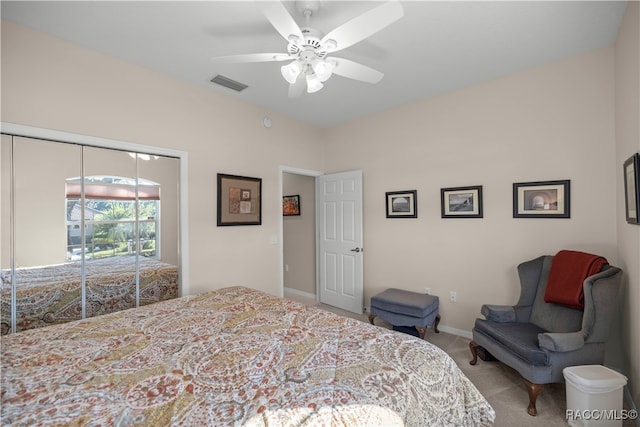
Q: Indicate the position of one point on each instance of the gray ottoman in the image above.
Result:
(406, 308)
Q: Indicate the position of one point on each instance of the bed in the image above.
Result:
(234, 356)
(52, 294)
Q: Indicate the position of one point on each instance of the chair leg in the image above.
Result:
(474, 353)
(435, 325)
(371, 317)
(533, 390)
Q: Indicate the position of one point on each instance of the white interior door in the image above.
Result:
(340, 240)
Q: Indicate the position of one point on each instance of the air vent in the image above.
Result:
(229, 83)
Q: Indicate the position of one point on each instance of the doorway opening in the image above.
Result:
(298, 231)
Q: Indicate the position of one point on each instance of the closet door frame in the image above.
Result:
(58, 136)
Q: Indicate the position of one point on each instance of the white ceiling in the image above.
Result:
(438, 46)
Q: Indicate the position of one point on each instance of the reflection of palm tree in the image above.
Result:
(115, 212)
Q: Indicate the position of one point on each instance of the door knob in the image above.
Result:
(355, 250)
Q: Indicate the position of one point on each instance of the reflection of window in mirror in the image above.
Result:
(109, 215)
(120, 214)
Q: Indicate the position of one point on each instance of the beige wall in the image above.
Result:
(5, 208)
(166, 172)
(549, 123)
(627, 128)
(40, 169)
(299, 235)
(49, 83)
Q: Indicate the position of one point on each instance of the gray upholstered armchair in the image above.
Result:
(539, 339)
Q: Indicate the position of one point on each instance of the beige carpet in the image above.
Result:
(500, 385)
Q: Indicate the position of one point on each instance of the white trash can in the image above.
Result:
(594, 395)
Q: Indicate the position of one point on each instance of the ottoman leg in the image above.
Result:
(421, 331)
(435, 325)
(371, 317)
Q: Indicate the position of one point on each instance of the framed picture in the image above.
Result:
(239, 200)
(632, 188)
(291, 205)
(402, 204)
(461, 202)
(544, 199)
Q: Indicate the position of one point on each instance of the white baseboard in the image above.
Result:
(455, 331)
(300, 293)
(444, 328)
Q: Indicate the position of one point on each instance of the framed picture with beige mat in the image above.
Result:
(239, 200)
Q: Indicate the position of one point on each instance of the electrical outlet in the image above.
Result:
(453, 296)
(427, 291)
(286, 267)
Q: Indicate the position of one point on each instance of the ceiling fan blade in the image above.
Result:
(296, 89)
(355, 70)
(280, 18)
(251, 57)
(363, 26)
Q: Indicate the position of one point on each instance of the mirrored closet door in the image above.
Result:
(85, 231)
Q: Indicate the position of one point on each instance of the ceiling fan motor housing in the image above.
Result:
(311, 42)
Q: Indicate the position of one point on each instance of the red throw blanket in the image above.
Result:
(568, 271)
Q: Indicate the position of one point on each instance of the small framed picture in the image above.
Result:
(291, 205)
(461, 202)
(632, 188)
(239, 200)
(542, 199)
(402, 204)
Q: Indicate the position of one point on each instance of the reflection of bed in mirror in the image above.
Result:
(53, 294)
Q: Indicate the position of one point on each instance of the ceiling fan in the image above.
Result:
(309, 49)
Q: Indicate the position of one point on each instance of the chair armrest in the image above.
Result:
(499, 313)
(568, 341)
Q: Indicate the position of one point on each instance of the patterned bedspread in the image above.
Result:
(52, 294)
(232, 357)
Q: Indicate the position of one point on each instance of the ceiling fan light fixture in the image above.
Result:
(293, 39)
(291, 71)
(313, 83)
(323, 69)
(329, 45)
